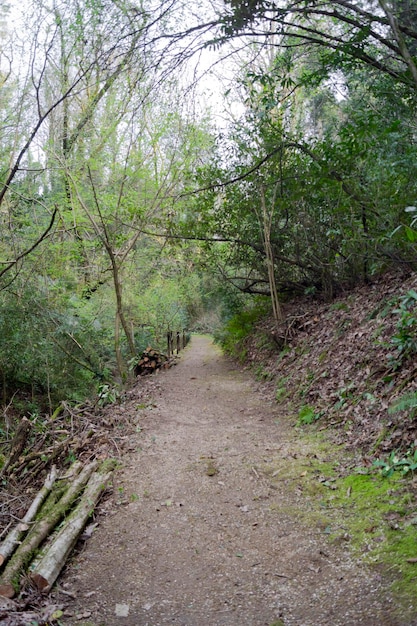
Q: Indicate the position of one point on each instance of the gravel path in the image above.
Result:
(198, 534)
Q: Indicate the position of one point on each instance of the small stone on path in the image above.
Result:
(122, 610)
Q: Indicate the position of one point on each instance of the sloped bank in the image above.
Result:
(352, 362)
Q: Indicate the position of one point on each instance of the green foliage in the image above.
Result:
(281, 389)
(405, 338)
(397, 463)
(243, 13)
(346, 168)
(308, 415)
(160, 307)
(231, 337)
(406, 402)
(262, 374)
(107, 394)
(50, 350)
(344, 394)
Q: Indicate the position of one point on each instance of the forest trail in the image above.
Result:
(198, 534)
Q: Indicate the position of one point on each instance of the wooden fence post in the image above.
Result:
(178, 342)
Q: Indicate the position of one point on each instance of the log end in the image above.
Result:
(40, 582)
(2, 559)
(7, 590)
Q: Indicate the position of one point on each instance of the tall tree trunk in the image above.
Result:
(117, 350)
(104, 236)
(119, 303)
(269, 253)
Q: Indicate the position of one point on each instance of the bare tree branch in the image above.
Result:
(32, 247)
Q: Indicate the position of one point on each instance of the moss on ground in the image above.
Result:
(374, 514)
(378, 514)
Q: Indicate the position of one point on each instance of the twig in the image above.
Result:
(5, 530)
(66, 593)
(116, 446)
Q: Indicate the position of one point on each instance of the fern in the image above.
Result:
(404, 403)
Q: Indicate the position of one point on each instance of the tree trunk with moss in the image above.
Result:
(47, 571)
(9, 581)
(10, 543)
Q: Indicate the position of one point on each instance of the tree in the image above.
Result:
(96, 153)
(377, 34)
(343, 169)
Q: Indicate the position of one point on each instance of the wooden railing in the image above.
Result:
(176, 341)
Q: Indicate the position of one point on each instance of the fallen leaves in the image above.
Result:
(17, 614)
(341, 365)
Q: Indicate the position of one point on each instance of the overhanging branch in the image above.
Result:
(11, 264)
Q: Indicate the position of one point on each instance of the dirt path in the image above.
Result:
(199, 535)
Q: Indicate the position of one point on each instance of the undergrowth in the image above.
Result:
(232, 336)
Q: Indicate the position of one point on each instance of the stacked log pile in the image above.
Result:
(150, 361)
(72, 498)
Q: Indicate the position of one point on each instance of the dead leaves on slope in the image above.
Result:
(337, 359)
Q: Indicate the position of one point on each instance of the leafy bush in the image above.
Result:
(405, 338)
(231, 337)
(50, 351)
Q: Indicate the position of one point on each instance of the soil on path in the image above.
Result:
(197, 534)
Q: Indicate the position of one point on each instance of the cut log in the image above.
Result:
(47, 571)
(39, 532)
(72, 471)
(12, 540)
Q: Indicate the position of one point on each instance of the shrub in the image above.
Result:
(233, 334)
(405, 338)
